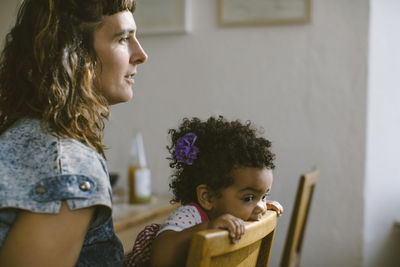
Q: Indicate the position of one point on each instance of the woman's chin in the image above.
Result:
(121, 99)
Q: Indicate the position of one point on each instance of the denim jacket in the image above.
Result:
(39, 170)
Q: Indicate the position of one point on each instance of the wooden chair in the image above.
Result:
(214, 248)
(294, 239)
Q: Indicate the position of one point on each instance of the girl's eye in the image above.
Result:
(248, 198)
(265, 197)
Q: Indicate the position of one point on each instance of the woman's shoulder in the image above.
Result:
(25, 150)
(28, 135)
(38, 170)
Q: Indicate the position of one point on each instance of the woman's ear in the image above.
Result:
(204, 197)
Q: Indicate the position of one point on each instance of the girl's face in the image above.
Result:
(246, 197)
(119, 54)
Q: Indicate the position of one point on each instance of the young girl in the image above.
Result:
(222, 176)
(63, 64)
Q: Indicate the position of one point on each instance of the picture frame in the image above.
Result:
(256, 12)
(162, 16)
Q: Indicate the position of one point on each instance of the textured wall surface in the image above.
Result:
(382, 198)
(7, 17)
(305, 84)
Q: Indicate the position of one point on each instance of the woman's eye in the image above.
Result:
(248, 198)
(124, 39)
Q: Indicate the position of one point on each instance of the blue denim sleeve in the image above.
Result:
(39, 170)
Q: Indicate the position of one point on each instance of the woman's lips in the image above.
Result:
(129, 79)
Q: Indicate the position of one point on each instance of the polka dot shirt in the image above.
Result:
(184, 217)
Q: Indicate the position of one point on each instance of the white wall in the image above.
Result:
(382, 197)
(8, 11)
(305, 84)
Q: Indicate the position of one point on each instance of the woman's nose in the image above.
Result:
(138, 55)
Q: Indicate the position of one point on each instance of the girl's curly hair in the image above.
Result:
(47, 67)
(223, 147)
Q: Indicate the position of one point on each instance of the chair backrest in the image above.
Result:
(294, 239)
(214, 248)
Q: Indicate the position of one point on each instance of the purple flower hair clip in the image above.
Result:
(185, 150)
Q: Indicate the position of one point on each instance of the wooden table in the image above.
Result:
(130, 219)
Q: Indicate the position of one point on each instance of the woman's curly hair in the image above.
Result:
(223, 147)
(48, 64)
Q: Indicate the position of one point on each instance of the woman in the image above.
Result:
(63, 64)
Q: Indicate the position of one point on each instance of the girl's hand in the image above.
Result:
(276, 206)
(234, 225)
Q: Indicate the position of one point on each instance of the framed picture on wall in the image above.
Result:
(253, 12)
(162, 16)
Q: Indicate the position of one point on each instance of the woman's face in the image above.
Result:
(119, 54)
